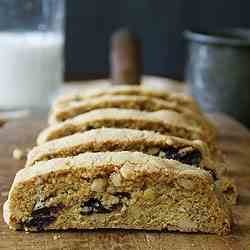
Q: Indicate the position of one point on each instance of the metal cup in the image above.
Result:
(218, 71)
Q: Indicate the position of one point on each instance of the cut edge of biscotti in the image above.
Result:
(164, 121)
(137, 90)
(126, 190)
(71, 109)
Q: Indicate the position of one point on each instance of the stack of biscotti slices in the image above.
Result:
(123, 157)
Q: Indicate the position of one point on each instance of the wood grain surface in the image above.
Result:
(235, 142)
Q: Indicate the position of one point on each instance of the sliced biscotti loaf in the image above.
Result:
(164, 121)
(113, 139)
(78, 96)
(128, 190)
(145, 103)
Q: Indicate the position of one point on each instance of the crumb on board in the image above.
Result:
(18, 154)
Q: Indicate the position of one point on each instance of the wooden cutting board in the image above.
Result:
(235, 142)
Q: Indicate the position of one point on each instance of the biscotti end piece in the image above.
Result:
(116, 190)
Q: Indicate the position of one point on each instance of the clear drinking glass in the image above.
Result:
(31, 52)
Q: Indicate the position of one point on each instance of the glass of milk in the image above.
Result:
(31, 52)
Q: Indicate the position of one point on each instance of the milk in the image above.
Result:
(31, 68)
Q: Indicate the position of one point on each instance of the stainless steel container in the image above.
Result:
(218, 71)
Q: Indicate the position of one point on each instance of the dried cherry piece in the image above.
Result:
(123, 194)
(42, 217)
(93, 205)
(190, 157)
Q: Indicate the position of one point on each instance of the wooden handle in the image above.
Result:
(125, 58)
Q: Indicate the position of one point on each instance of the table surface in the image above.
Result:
(235, 143)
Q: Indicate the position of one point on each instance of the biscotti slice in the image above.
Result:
(144, 103)
(71, 109)
(127, 190)
(164, 121)
(113, 139)
(77, 96)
